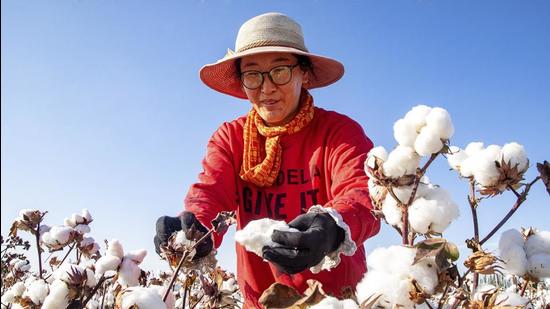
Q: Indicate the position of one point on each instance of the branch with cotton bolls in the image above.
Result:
(403, 195)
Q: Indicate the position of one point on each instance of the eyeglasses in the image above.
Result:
(279, 75)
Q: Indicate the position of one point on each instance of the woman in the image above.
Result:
(286, 160)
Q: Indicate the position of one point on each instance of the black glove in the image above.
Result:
(296, 251)
(166, 226)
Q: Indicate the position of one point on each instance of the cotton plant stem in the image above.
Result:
(524, 287)
(63, 260)
(180, 264)
(96, 287)
(38, 249)
(472, 200)
(521, 198)
(198, 301)
(441, 300)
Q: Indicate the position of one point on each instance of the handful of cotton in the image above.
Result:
(257, 234)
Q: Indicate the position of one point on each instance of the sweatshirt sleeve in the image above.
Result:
(349, 182)
(215, 190)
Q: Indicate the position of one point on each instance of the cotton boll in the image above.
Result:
(538, 265)
(440, 120)
(421, 213)
(376, 152)
(514, 260)
(69, 222)
(18, 289)
(257, 234)
(129, 273)
(78, 219)
(401, 161)
(392, 212)
(8, 297)
(373, 284)
(170, 300)
(21, 265)
(485, 171)
(394, 259)
(107, 263)
(61, 234)
(516, 155)
(509, 238)
(537, 243)
(375, 191)
(513, 300)
(467, 166)
(428, 142)
(425, 274)
(404, 132)
(82, 228)
(115, 249)
(473, 148)
(492, 152)
(137, 255)
(58, 297)
(417, 116)
(143, 298)
(456, 157)
(90, 278)
(37, 291)
(43, 229)
(86, 215)
(334, 303)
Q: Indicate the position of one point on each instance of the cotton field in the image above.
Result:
(77, 271)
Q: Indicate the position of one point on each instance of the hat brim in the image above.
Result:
(222, 76)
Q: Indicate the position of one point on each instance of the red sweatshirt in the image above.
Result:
(321, 164)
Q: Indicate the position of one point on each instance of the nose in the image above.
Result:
(267, 85)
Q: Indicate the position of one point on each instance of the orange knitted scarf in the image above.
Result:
(261, 167)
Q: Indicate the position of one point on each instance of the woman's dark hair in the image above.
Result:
(303, 61)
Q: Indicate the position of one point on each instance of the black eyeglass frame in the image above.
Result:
(291, 67)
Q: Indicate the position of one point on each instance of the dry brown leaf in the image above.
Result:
(279, 295)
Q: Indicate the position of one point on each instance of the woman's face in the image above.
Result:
(276, 104)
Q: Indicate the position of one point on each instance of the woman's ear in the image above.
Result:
(305, 78)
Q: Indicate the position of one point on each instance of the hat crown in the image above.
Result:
(270, 29)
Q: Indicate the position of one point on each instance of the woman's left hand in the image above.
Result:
(296, 251)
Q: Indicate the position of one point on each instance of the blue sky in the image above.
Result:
(102, 107)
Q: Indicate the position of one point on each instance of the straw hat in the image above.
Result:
(270, 32)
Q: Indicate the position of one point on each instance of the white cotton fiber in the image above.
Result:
(82, 228)
(137, 255)
(428, 142)
(401, 161)
(512, 300)
(37, 291)
(334, 303)
(69, 222)
(143, 298)
(392, 212)
(425, 274)
(485, 171)
(129, 273)
(86, 215)
(515, 154)
(59, 234)
(456, 157)
(404, 132)
(58, 296)
(539, 265)
(473, 148)
(115, 248)
(434, 212)
(514, 259)
(107, 263)
(257, 234)
(537, 243)
(18, 289)
(440, 120)
(417, 116)
(376, 152)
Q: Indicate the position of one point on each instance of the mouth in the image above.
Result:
(269, 102)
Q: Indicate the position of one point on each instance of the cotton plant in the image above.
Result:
(126, 265)
(421, 211)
